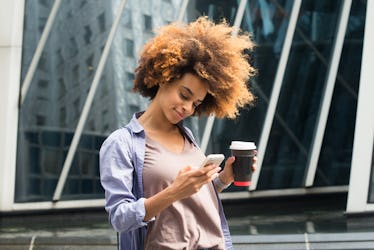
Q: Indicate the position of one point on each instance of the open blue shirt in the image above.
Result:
(121, 170)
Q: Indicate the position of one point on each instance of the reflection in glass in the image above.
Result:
(336, 153)
(53, 105)
(59, 88)
(266, 21)
(265, 58)
(290, 139)
(215, 10)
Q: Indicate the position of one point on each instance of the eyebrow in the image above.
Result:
(190, 92)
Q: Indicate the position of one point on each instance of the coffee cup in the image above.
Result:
(242, 166)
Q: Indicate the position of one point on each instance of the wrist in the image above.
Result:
(171, 194)
(226, 180)
(219, 185)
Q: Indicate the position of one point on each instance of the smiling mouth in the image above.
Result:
(179, 115)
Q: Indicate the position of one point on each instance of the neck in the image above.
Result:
(151, 120)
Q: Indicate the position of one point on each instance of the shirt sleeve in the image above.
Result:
(219, 185)
(126, 213)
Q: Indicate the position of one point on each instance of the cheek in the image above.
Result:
(174, 99)
(170, 101)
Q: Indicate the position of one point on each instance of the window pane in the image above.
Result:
(336, 153)
(266, 21)
(58, 91)
(216, 11)
(300, 97)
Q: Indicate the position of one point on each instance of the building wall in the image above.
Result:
(10, 60)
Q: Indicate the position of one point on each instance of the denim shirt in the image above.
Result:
(121, 170)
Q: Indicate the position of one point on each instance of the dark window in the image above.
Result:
(129, 48)
(147, 23)
(87, 34)
(101, 22)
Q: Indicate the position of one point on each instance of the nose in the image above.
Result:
(188, 107)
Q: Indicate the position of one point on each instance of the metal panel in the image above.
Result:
(10, 72)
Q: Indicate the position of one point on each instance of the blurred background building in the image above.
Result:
(66, 77)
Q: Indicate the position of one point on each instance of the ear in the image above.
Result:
(161, 86)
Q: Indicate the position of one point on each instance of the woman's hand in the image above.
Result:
(227, 175)
(188, 182)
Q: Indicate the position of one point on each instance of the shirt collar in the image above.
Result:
(134, 124)
(136, 127)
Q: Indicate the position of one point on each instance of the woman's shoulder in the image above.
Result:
(126, 131)
(188, 133)
(119, 136)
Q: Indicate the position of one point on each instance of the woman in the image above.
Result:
(157, 196)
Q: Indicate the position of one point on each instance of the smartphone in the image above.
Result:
(215, 159)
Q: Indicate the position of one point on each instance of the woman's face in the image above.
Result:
(180, 98)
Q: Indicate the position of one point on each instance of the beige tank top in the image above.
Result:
(191, 223)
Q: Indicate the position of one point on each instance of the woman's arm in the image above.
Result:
(126, 212)
(188, 182)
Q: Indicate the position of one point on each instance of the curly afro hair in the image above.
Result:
(207, 50)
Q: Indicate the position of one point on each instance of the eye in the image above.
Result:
(183, 96)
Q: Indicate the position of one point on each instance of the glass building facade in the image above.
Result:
(76, 66)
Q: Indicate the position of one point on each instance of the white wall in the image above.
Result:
(11, 27)
(364, 132)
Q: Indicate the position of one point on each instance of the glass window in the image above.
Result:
(87, 34)
(291, 135)
(336, 153)
(130, 80)
(266, 21)
(35, 24)
(101, 22)
(56, 96)
(215, 10)
(58, 91)
(129, 47)
(147, 23)
(73, 48)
